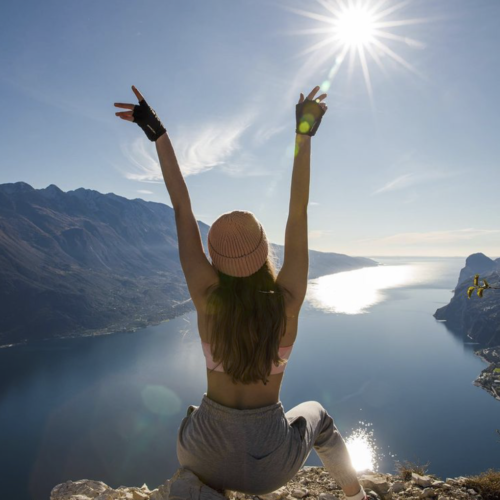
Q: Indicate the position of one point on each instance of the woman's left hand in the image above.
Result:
(143, 115)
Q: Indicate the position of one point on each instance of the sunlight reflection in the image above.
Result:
(353, 292)
(362, 450)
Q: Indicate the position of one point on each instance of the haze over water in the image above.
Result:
(397, 383)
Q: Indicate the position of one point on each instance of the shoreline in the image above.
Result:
(127, 327)
(489, 378)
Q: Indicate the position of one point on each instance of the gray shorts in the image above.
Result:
(259, 450)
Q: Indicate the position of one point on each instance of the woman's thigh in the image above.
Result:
(255, 458)
(308, 419)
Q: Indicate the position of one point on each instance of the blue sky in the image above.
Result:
(407, 166)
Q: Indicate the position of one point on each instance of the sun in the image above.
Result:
(355, 26)
(358, 30)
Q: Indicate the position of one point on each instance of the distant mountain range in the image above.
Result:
(85, 263)
(477, 318)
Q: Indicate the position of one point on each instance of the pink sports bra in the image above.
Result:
(284, 352)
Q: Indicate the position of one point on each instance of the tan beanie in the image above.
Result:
(237, 243)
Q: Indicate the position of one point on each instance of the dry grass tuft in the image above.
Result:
(486, 483)
(406, 468)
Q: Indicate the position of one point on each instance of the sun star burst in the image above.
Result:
(357, 29)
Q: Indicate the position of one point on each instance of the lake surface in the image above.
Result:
(397, 383)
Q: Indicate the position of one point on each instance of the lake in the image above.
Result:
(397, 383)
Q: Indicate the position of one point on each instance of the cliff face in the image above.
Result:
(477, 263)
(80, 262)
(477, 318)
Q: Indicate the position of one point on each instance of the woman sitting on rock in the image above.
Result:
(239, 438)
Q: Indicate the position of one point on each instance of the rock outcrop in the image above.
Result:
(477, 319)
(310, 483)
(477, 263)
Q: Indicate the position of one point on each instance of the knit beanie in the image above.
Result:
(237, 243)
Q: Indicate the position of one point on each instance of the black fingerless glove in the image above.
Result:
(308, 114)
(145, 116)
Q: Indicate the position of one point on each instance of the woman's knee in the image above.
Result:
(328, 425)
(321, 411)
(316, 406)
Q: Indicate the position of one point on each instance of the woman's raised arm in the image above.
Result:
(308, 117)
(295, 269)
(148, 120)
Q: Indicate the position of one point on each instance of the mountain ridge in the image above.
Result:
(83, 263)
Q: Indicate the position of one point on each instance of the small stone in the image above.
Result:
(83, 487)
(428, 493)
(275, 495)
(163, 491)
(299, 492)
(375, 482)
(437, 484)
(424, 481)
(327, 496)
(472, 491)
(139, 495)
(397, 486)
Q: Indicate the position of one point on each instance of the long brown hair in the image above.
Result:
(246, 319)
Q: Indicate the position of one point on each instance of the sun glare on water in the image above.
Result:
(354, 292)
(362, 450)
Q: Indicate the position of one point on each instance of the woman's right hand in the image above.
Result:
(144, 115)
(309, 112)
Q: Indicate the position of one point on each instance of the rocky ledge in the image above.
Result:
(310, 483)
(489, 378)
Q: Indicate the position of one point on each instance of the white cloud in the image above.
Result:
(198, 149)
(143, 165)
(211, 145)
(265, 132)
(319, 233)
(416, 44)
(433, 237)
(144, 191)
(411, 179)
(398, 183)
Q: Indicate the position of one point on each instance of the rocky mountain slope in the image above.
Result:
(85, 263)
